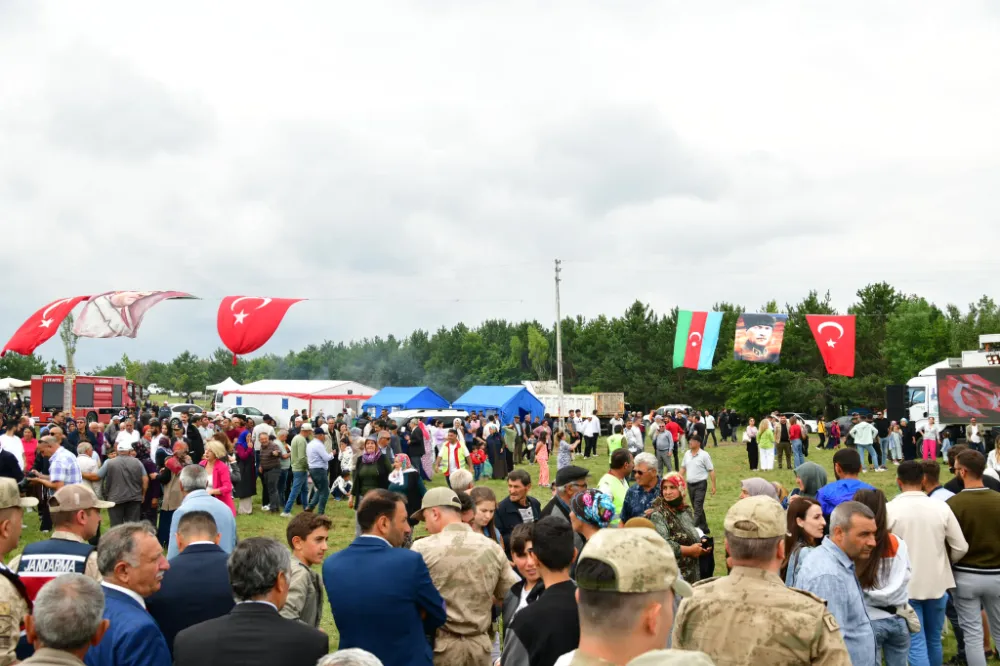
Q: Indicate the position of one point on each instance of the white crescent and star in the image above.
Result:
(831, 342)
(694, 343)
(242, 314)
(956, 394)
(45, 323)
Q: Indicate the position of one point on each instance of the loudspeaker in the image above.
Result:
(895, 402)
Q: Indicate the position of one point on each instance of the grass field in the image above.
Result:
(730, 464)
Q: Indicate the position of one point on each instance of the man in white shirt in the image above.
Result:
(266, 425)
(710, 428)
(128, 436)
(934, 540)
(697, 468)
(616, 420)
(319, 469)
(12, 443)
(592, 430)
(205, 428)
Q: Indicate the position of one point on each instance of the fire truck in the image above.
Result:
(80, 396)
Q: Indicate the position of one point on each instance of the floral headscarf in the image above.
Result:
(141, 450)
(594, 507)
(756, 486)
(404, 463)
(674, 479)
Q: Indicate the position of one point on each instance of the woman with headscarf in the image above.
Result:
(757, 486)
(170, 483)
(810, 477)
(72, 435)
(151, 500)
(674, 521)
(590, 511)
(246, 487)
(371, 470)
(496, 448)
(405, 480)
(216, 463)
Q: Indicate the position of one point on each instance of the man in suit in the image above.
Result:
(254, 633)
(196, 588)
(131, 561)
(374, 584)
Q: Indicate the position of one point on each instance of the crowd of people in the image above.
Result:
(619, 573)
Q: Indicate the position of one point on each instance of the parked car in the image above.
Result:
(447, 416)
(182, 408)
(810, 423)
(249, 412)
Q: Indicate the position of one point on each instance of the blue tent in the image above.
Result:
(506, 401)
(405, 397)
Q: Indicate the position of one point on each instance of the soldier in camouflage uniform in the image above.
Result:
(750, 617)
(14, 604)
(470, 571)
(626, 582)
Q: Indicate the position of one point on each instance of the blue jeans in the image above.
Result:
(477, 471)
(892, 639)
(925, 645)
(886, 456)
(321, 484)
(299, 483)
(871, 455)
(797, 456)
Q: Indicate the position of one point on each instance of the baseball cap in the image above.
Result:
(641, 559)
(306, 425)
(571, 473)
(76, 497)
(10, 496)
(759, 517)
(436, 497)
(123, 447)
(672, 658)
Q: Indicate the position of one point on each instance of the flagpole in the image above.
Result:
(559, 366)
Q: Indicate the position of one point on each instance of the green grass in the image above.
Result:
(730, 464)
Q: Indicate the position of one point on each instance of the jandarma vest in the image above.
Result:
(43, 561)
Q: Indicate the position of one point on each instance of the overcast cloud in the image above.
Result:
(417, 164)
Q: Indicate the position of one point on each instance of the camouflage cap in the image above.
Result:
(10, 495)
(759, 517)
(436, 497)
(76, 497)
(641, 559)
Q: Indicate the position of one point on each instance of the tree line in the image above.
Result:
(897, 336)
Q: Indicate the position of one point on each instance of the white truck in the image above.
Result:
(960, 390)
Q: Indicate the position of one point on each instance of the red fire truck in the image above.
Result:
(93, 398)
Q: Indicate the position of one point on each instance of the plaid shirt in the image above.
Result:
(63, 467)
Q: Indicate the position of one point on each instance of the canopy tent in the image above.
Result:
(11, 384)
(505, 401)
(228, 384)
(406, 397)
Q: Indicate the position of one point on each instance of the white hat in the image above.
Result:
(306, 425)
(123, 447)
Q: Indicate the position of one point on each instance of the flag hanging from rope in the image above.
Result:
(696, 339)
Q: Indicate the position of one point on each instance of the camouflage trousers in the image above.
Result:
(453, 650)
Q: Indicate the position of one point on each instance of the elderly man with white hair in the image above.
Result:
(67, 620)
(461, 480)
(350, 657)
(194, 481)
(85, 459)
(639, 498)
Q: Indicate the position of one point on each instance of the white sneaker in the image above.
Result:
(286, 515)
(266, 507)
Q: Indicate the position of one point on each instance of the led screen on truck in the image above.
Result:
(964, 393)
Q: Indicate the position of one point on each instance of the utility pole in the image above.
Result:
(559, 364)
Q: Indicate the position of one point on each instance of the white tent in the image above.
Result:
(279, 397)
(11, 384)
(229, 384)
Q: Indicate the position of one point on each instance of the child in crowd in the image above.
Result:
(478, 458)
(565, 449)
(945, 443)
(342, 486)
(307, 535)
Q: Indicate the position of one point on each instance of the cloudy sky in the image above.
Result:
(417, 164)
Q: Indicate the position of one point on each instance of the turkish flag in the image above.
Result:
(41, 326)
(835, 337)
(246, 323)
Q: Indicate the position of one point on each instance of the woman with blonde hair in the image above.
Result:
(216, 463)
(765, 444)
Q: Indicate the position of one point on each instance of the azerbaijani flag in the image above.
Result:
(696, 339)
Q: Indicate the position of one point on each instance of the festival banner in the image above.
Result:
(835, 337)
(759, 336)
(696, 339)
(116, 314)
(246, 327)
(41, 326)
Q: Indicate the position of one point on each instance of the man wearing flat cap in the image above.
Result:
(469, 570)
(570, 481)
(759, 329)
(627, 580)
(750, 617)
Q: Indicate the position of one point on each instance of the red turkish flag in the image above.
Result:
(835, 337)
(246, 323)
(41, 326)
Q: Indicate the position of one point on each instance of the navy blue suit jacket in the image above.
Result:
(133, 639)
(194, 589)
(376, 593)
